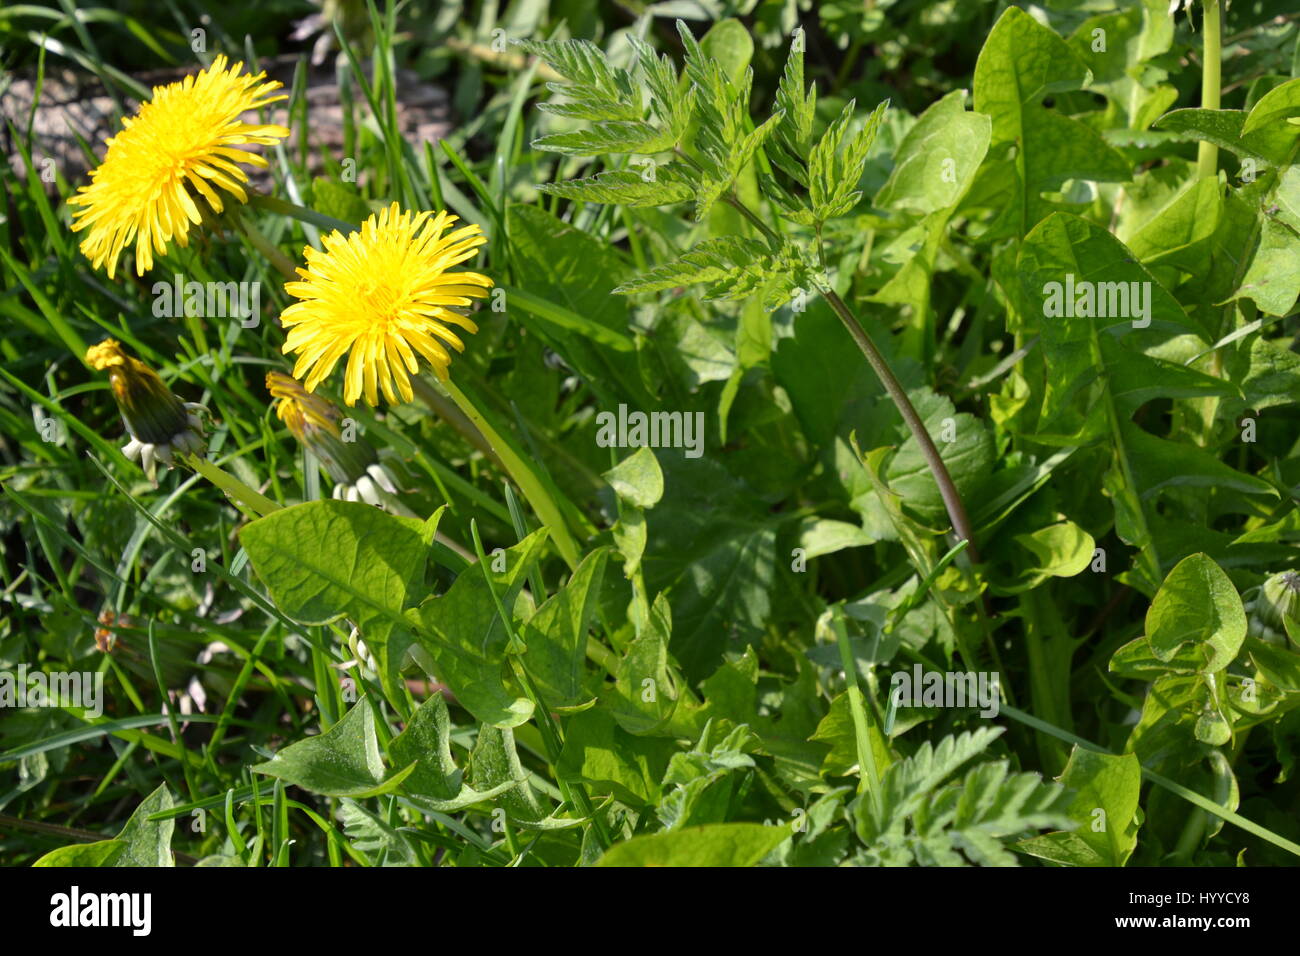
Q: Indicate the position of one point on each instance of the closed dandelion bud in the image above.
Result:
(1274, 609)
(316, 423)
(160, 424)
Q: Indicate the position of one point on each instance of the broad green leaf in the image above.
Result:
(1273, 280)
(147, 842)
(576, 271)
(935, 163)
(1104, 804)
(1160, 463)
(1059, 550)
(141, 841)
(324, 560)
(638, 479)
(645, 694)
(821, 536)
(101, 853)
(1197, 604)
(1220, 127)
(344, 761)
(1122, 320)
(1022, 62)
(435, 782)
(965, 446)
(1180, 234)
(495, 768)
(598, 751)
(722, 844)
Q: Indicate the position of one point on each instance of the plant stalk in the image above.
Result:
(1207, 154)
(947, 489)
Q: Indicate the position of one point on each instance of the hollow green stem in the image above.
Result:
(301, 213)
(529, 482)
(1207, 155)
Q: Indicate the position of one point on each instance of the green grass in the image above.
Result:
(652, 668)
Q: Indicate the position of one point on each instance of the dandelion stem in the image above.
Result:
(283, 264)
(529, 482)
(301, 213)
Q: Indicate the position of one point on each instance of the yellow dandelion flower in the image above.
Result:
(180, 142)
(383, 294)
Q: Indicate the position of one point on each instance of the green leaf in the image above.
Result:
(577, 272)
(836, 163)
(1068, 264)
(141, 841)
(467, 639)
(338, 200)
(669, 184)
(638, 479)
(644, 697)
(324, 560)
(821, 536)
(733, 266)
(797, 108)
(1060, 550)
(344, 761)
(1105, 806)
(598, 751)
(1181, 233)
(495, 768)
(1159, 463)
(968, 456)
(1273, 280)
(83, 854)
(1022, 62)
(1197, 604)
(596, 90)
(376, 839)
(556, 635)
(722, 844)
(935, 163)
(618, 137)
(435, 783)
(1220, 127)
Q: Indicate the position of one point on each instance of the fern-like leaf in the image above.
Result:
(627, 188)
(596, 90)
(836, 163)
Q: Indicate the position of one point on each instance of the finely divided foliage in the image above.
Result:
(871, 442)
